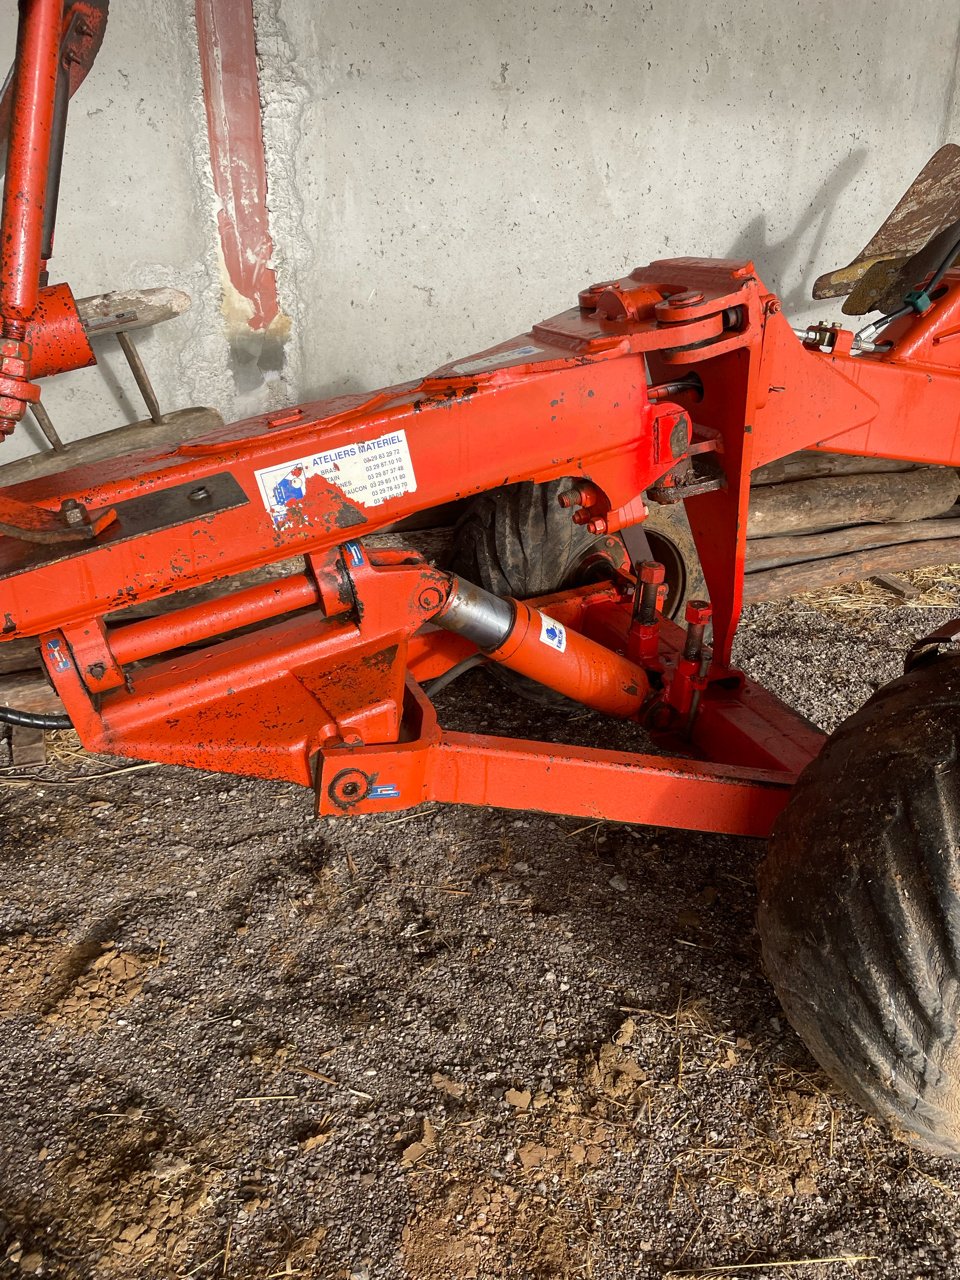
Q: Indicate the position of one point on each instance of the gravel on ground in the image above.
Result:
(453, 1044)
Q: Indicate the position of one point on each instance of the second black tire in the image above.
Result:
(859, 906)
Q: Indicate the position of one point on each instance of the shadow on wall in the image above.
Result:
(777, 259)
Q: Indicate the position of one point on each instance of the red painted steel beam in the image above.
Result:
(38, 46)
(618, 787)
(510, 773)
(231, 93)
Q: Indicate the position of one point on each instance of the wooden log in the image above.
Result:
(774, 584)
(808, 465)
(831, 502)
(29, 691)
(771, 553)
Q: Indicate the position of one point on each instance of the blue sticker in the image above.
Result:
(57, 656)
(553, 633)
(355, 552)
(386, 791)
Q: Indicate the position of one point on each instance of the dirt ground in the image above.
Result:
(454, 1045)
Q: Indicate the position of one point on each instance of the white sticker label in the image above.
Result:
(553, 633)
(368, 472)
(498, 358)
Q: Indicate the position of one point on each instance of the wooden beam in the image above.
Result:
(771, 553)
(809, 464)
(832, 502)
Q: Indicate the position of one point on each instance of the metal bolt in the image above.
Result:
(73, 511)
(652, 574)
(598, 526)
(697, 614)
(430, 598)
(199, 494)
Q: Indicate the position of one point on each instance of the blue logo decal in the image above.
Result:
(57, 656)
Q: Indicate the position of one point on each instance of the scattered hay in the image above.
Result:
(939, 587)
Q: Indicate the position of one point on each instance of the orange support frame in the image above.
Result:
(298, 678)
(319, 678)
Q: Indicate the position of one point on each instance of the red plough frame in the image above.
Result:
(679, 379)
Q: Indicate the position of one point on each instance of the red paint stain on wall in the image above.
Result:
(231, 92)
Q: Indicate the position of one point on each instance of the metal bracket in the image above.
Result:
(688, 479)
(163, 509)
(72, 523)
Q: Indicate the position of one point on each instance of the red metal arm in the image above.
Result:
(21, 230)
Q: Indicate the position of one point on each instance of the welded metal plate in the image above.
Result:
(162, 509)
(930, 204)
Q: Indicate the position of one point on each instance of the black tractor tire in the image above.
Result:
(859, 906)
(518, 541)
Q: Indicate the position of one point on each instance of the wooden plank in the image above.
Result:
(134, 438)
(119, 312)
(770, 553)
(832, 502)
(29, 691)
(901, 587)
(774, 584)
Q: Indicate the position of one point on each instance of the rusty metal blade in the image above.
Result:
(886, 284)
(930, 204)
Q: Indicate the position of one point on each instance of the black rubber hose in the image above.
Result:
(433, 687)
(33, 719)
(944, 267)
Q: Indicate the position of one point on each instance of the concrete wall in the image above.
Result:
(137, 209)
(444, 173)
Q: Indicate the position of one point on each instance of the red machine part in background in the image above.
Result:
(56, 45)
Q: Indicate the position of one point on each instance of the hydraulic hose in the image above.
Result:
(34, 719)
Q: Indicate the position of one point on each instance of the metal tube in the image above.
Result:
(45, 423)
(521, 638)
(38, 47)
(480, 616)
(667, 390)
(152, 636)
(138, 369)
